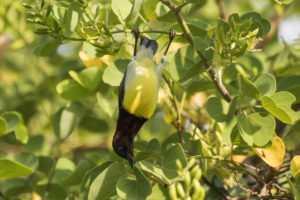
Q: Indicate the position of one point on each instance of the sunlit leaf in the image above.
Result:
(21, 133)
(273, 155)
(63, 169)
(113, 74)
(71, 90)
(72, 17)
(105, 183)
(88, 78)
(279, 105)
(12, 169)
(295, 166)
(3, 126)
(131, 19)
(66, 119)
(284, 1)
(266, 84)
(149, 7)
(121, 9)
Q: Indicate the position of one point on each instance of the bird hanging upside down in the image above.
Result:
(138, 94)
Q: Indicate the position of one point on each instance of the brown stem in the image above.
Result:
(274, 25)
(189, 37)
(222, 10)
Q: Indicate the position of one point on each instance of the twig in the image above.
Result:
(147, 31)
(179, 126)
(189, 37)
(222, 10)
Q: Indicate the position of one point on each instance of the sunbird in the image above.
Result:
(138, 93)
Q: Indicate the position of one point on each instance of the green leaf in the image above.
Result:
(131, 19)
(295, 167)
(59, 13)
(279, 105)
(292, 85)
(90, 177)
(228, 127)
(284, 1)
(204, 47)
(21, 133)
(265, 24)
(134, 188)
(3, 126)
(88, 78)
(27, 159)
(178, 65)
(232, 108)
(153, 145)
(199, 29)
(105, 105)
(149, 7)
(49, 48)
(72, 17)
(154, 171)
(256, 128)
(66, 119)
(53, 191)
(71, 90)
(14, 187)
(45, 164)
(121, 9)
(93, 123)
(266, 84)
(217, 109)
(169, 163)
(12, 169)
(248, 88)
(105, 183)
(64, 168)
(113, 74)
(295, 188)
(12, 120)
(77, 176)
(195, 147)
(90, 50)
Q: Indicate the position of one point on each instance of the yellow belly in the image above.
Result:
(141, 90)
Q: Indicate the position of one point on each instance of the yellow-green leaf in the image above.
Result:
(295, 167)
(273, 155)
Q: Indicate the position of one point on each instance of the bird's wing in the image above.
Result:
(122, 90)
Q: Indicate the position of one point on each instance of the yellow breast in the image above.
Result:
(141, 88)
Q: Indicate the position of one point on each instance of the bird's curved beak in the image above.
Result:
(130, 159)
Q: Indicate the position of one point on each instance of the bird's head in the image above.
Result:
(124, 150)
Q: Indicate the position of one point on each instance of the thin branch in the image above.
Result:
(222, 10)
(147, 31)
(189, 37)
(179, 126)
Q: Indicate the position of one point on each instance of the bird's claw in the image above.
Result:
(135, 32)
(172, 34)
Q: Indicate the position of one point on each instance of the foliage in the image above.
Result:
(226, 99)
